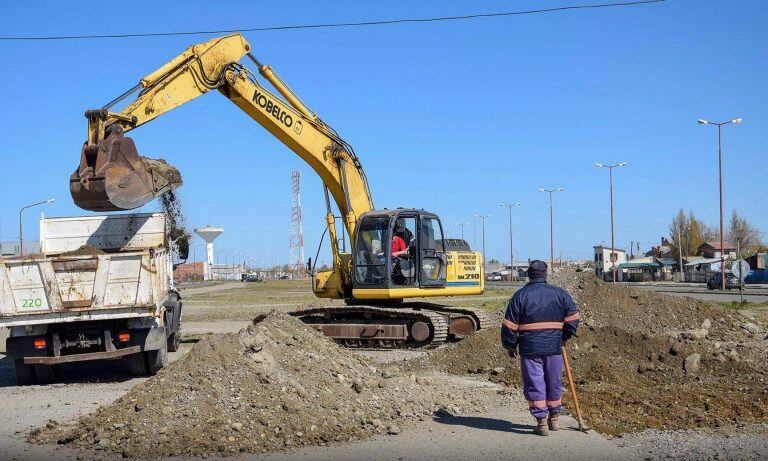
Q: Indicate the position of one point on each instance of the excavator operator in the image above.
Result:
(399, 248)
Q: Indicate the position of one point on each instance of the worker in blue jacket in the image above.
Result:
(540, 317)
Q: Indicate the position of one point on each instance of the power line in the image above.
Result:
(332, 25)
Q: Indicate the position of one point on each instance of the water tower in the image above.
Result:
(208, 234)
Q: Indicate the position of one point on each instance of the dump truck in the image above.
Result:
(101, 288)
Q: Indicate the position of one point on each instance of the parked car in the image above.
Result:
(731, 281)
(252, 278)
(493, 277)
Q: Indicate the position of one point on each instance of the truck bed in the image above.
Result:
(85, 274)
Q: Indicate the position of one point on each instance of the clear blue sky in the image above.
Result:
(452, 117)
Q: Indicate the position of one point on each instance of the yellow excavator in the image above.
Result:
(373, 282)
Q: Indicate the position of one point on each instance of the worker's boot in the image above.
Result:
(553, 422)
(541, 427)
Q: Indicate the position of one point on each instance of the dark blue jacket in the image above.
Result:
(539, 318)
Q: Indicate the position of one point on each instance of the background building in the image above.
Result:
(603, 261)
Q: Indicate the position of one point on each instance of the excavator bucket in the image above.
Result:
(112, 176)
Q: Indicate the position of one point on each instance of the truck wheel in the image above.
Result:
(23, 373)
(137, 364)
(156, 360)
(173, 341)
(46, 374)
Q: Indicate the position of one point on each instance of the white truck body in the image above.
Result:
(59, 286)
(100, 289)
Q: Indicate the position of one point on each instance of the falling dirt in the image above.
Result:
(275, 386)
(177, 227)
(643, 360)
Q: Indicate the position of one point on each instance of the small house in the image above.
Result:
(604, 262)
(713, 250)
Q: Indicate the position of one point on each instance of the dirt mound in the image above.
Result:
(271, 387)
(85, 250)
(164, 169)
(643, 360)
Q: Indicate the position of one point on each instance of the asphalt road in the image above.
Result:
(752, 293)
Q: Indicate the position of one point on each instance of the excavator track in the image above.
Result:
(375, 327)
(410, 325)
(480, 320)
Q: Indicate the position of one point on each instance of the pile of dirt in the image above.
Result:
(164, 169)
(85, 250)
(643, 360)
(274, 386)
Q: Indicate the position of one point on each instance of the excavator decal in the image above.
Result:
(267, 104)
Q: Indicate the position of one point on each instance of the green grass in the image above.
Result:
(243, 302)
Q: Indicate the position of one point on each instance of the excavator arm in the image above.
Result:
(113, 176)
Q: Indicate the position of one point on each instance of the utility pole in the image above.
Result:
(680, 251)
(551, 227)
(741, 274)
(613, 249)
(511, 247)
(483, 217)
(21, 233)
(719, 126)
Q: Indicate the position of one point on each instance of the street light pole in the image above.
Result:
(21, 234)
(719, 126)
(613, 249)
(551, 227)
(511, 247)
(483, 217)
(461, 225)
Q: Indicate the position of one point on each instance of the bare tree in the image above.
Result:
(742, 232)
(688, 232)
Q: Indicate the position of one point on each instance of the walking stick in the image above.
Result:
(572, 387)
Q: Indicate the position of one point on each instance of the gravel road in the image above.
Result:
(501, 434)
(749, 444)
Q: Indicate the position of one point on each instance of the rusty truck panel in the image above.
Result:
(83, 273)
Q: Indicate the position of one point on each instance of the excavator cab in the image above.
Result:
(380, 232)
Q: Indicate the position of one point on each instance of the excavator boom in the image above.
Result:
(112, 175)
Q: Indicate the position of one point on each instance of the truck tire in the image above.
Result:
(46, 374)
(136, 364)
(156, 360)
(23, 373)
(173, 341)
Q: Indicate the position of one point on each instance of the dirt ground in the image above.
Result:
(644, 360)
(489, 420)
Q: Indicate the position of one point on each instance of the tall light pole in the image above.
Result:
(511, 247)
(551, 227)
(719, 126)
(613, 249)
(483, 217)
(462, 224)
(21, 234)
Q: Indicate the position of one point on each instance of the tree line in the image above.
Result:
(688, 232)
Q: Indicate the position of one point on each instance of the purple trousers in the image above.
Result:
(542, 385)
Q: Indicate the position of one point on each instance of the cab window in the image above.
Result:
(371, 252)
(433, 251)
